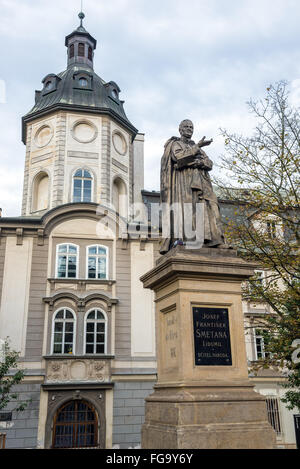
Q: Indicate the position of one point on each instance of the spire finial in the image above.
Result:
(81, 14)
(81, 17)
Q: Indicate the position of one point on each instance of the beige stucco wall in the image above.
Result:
(142, 304)
(76, 141)
(15, 292)
(274, 389)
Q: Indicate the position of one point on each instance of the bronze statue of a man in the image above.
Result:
(185, 181)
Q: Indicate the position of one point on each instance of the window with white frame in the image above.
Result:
(63, 335)
(260, 344)
(95, 332)
(67, 261)
(259, 279)
(82, 186)
(271, 229)
(97, 262)
(260, 276)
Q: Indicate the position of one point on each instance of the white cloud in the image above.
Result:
(11, 191)
(172, 60)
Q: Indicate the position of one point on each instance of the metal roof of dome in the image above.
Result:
(78, 88)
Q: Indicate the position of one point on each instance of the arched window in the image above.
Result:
(97, 262)
(82, 186)
(72, 52)
(75, 426)
(63, 332)
(67, 261)
(90, 53)
(95, 332)
(81, 49)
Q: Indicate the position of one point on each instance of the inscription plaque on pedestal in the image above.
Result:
(211, 337)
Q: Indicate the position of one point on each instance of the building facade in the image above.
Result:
(71, 299)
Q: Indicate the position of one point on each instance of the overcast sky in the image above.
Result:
(173, 59)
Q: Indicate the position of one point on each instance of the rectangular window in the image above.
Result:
(271, 229)
(260, 344)
(95, 335)
(274, 414)
(62, 266)
(92, 267)
(63, 337)
(81, 49)
(77, 190)
(102, 267)
(87, 190)
(97, 263)
(82, 186)
(67, 261)
(257, 282)
(5, 416)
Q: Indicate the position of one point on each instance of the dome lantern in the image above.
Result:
(81, 46)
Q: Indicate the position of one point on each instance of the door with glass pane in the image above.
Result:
(75, 426)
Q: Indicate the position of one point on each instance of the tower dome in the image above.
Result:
(78, 88)
(80, 145)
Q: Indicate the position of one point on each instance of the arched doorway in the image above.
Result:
(75, 426)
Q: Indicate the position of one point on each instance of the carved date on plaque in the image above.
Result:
(212, 337)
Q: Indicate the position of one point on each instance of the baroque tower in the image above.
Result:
(80, 145)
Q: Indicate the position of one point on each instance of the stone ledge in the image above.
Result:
(200, 263)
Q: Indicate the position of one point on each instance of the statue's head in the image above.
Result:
(186, 128)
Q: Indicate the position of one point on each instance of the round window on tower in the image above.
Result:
(43, 136)
(114, 94)
(84, 131)
(119, 143)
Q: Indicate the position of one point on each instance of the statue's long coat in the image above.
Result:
(181, 184)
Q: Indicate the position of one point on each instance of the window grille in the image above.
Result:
(274, 414)
(75, 426)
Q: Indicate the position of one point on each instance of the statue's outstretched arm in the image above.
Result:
(185, 155)
(204, 143)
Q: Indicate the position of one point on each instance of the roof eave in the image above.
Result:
(81, 33)
(76, 108)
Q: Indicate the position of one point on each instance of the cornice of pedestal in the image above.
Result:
(202, 263)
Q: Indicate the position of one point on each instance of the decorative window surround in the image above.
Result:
(101, 254)
(82, 190)
(60, 369)
(95, 332)
(68, 251)
(63, 332)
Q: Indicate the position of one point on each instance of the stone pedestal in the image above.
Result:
(203, 397)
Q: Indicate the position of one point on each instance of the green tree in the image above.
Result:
(262, 180)
(10, 376)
